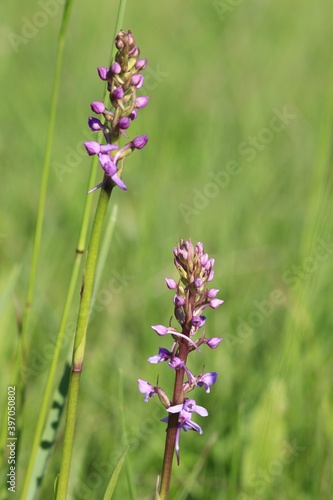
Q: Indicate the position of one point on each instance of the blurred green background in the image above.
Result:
(239, 157)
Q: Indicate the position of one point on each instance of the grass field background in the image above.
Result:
(240, 158)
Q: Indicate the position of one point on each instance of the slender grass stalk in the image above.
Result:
(80, 338)
(129, 476)
(19, 377)
(317, 209)
(113, 480)
(43, 191)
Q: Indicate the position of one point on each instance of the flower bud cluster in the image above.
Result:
(123, 79)
(192, 297)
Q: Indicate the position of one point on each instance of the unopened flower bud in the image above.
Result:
(118, 93)
(124, 123)
(204, 259)
(97, 107)
(197, 283)
(140, 141)
(215, 303)
(178, 301)
(141, 64)
(94, 124)
(141, 102)
(137, 80)
(115, 68)
(103, 73)
(171, 284)
(213, 342)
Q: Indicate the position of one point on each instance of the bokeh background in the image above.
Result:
(239, 157)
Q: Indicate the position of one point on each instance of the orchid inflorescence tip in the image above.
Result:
(123, 79)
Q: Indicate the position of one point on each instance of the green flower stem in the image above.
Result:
(80, 338)
(48, 391)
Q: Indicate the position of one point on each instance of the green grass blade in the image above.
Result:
(114, 478)
(20, 361)
(49, 434)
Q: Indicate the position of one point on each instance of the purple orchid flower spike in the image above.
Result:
(191, 297)
(124, 80)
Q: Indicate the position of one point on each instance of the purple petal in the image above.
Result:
(198, 321)
(176, 363)
(146, 388)
(175, 409)
(191, 406)
(160, 329)
(107, 165)
(117, 180)
(92, 147)
(105, 148)
(211, 294)
(207, 380)
(163, 355)
(215, 303)
(211, 276)
(200, 410)
(189, 425)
